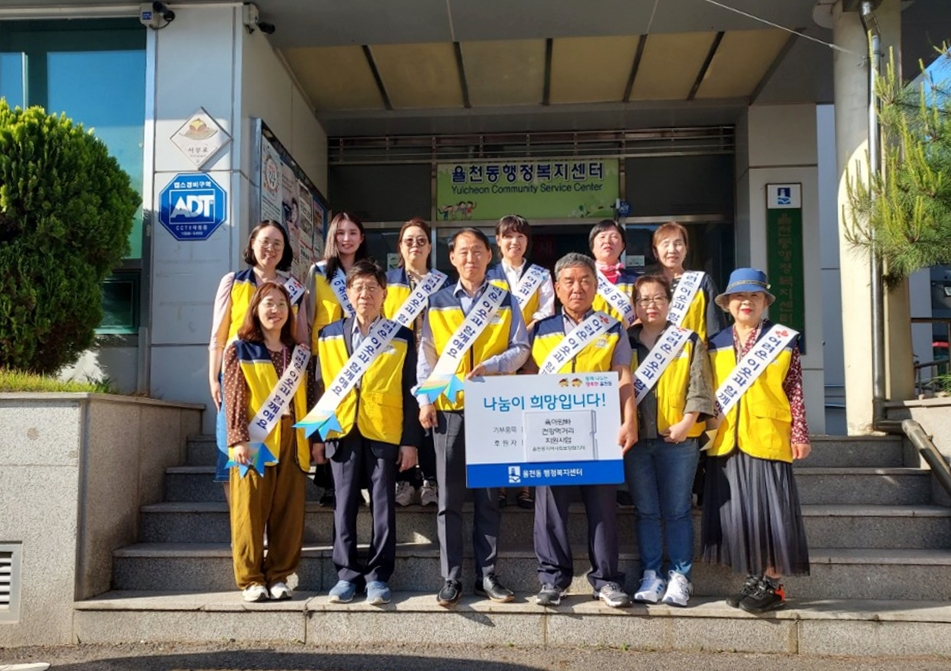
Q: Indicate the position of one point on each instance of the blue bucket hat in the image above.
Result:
(745, 280)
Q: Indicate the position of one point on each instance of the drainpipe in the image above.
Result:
(874, 160)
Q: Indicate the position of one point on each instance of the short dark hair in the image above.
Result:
(331, 255)
(513, 223)
(474, 232)
(653, 279)
(606, 225)
(251, 331)
(287, 258)
(421, 223)
(366, 268)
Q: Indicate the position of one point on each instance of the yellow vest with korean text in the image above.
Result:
(496, 276)
(671, 389)
(261, 375)
(594, 358)
(625, 284)
(327, 308)
(242, 289)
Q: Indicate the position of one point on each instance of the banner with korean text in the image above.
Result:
(543, 430)
(549, 189)
(784, 249)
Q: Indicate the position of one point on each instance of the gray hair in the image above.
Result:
(575, 260)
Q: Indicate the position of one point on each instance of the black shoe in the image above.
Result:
(764, 599)
(490, 587)
(752, 582)
(525, 501)
(450, 594)
(624, 499)
(503, 500)
(549, 596)
(327, 500)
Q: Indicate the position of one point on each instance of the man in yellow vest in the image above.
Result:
(377, 431)
(472, 329)
(576, 284)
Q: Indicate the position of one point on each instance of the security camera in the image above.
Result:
(252, 20)
(155, 15)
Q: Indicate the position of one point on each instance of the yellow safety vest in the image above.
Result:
(671, 390)
(594, 358)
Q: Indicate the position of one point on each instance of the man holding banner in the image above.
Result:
(581, 340)
(367, 416)
(471, 329)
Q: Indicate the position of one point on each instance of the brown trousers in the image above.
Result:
(274, 503)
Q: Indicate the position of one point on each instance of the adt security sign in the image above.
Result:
(192, 206)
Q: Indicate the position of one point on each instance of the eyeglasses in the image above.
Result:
(653, 300)
(415, 242)
(271, 244)
(369, 288)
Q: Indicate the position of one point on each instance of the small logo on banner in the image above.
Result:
(515, 475)
(784, 195)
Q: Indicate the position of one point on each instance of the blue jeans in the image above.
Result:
(660, 478)
(221, 438)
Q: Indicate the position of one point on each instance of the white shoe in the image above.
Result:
(280, 591)
(405, 494)
(678, 589)
(428, 493)
(254, 593)
(651, 588)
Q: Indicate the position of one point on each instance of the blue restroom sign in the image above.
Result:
(192, 206)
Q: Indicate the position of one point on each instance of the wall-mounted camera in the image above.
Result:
(252, 20)
(155, 15)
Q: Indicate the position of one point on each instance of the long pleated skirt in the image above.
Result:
(751, 518)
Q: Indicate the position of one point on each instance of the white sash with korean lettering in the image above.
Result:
(579, 338)
(338, 284)
(323, 416)
(443, 379)
(667, 348)
(616, 298)
(687, 288)
(271, 411)
(294, 287)
(530, 281)
(752, 366)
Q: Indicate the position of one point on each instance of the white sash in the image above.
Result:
(616, 299)
(579, 338)
(687, 288)
(443, 378)
(323, 416)
(752, 365)
(338, 284)
(530, 281)
(667, 348)
(271, 410)
(294, 288)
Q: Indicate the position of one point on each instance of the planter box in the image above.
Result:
(75, 469)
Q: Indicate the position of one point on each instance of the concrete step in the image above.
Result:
(836, 573)
(826, 526)
(807, 627)
(817, 486)
(201, 451)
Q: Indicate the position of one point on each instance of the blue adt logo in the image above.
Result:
(192, 206)
(784, 195)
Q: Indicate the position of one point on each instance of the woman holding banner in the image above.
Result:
(265, 381)
(269, 257)
(532, 287)
(327, 299)
(414, 268)
(674, 396)
(752, 521)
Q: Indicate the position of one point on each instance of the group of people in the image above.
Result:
(365, 371)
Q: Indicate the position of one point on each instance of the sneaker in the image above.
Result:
(378, 593)
(764, 599)
(450, 594)
(525, 500)
(405, 494)
(429, 493)
(549, 595)
(678, 590)
(651, 588)
(327, 499)
(280, 591)
(254, 593)
(342, 592)
(612, 595)
(752, 582)
(491, 588)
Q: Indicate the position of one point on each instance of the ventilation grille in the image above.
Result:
(9, 582)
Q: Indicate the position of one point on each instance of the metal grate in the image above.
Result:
(9, 582)
(495, 146)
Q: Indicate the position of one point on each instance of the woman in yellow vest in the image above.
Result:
(660, 468)
(345, 245)
(752, 521)
(272, 503)
(269, 256)
(608, 242)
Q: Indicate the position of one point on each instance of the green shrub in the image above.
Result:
(66, 211)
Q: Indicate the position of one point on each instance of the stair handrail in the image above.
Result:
(926, 448)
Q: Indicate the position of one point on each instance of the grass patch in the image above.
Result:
(19, 381)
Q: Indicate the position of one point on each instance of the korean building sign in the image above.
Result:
(784, 251)
(550, 189)
(543, 430)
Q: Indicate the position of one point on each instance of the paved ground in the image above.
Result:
(234, 657)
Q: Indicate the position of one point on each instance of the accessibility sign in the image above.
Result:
(192, 206)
